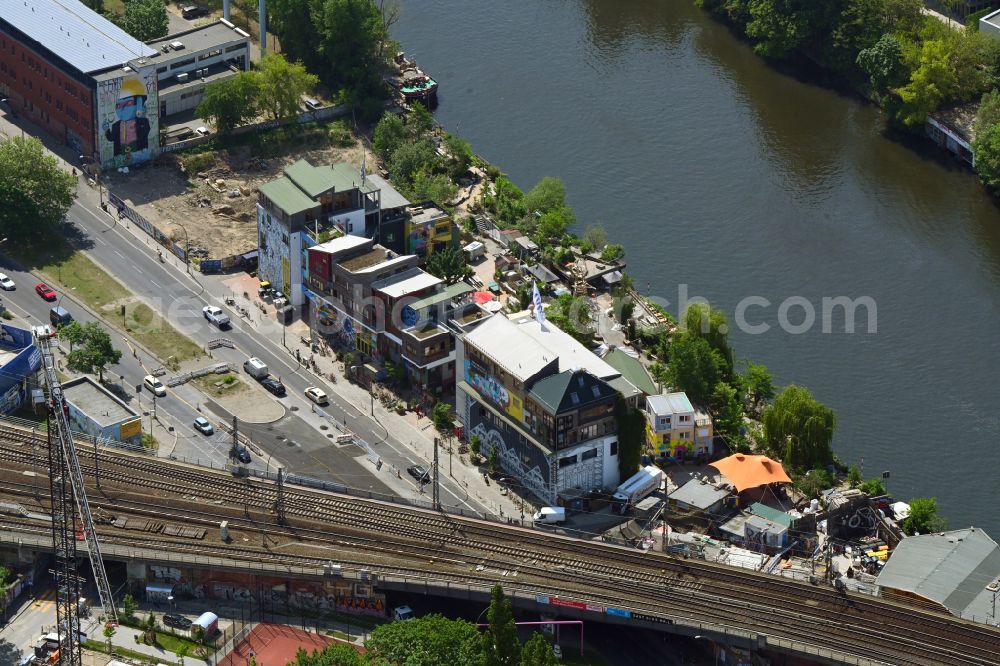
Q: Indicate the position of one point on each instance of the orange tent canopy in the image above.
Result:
(746, 471)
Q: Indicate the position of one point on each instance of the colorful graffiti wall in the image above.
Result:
(493, 390)
(128, 119)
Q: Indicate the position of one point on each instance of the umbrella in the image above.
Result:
(483, 297)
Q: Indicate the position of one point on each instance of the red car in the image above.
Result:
(45, 291)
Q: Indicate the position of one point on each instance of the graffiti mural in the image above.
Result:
(493, 390)
(532, 478)
(127, 111)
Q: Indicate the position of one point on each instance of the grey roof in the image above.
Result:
(96, 402)
(542, 274)
(669, 403)
(569, 390)
(950, 568)
(698, 494)
(75, 33)
(390, 197)
(199, 39)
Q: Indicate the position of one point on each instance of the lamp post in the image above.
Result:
(187, 248)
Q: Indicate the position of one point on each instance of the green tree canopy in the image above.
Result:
(73, 333)
(694, 367)
(145, 19)
(460, 155)
(430, 640)
(436, 187)
(548, 195)
(35, 193)
(448, 263)
(923, 518)
(779, 26)
(595, 238)
(95, 351)
(757, 386)
(335, 654)
(986, 147)
(500, 641)
(883, 63)
(703, 321)
(538, 652)
(282, 85)
(410, 158)
(570, 314)
(799, 429)
(612, 253)
(390, 134)
(728, 410)
(873, 487)
(231, 103)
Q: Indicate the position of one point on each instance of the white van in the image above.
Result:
(255, 367)
(550, 514)
(402, 613)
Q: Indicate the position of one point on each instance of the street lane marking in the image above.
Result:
(154, 283)
(100, 240)
(119, 254)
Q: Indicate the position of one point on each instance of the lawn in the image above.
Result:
(139, 657)
(89, 283)
(220, 385)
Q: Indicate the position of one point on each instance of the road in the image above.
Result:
(179, 297)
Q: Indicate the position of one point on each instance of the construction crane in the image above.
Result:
(69, 500)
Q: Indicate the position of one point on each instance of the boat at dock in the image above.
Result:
(413, 84)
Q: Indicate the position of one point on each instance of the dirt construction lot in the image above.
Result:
(212, 194)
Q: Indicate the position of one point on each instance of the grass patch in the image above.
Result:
(101, 646)
(149, 442)
(342, 635)
(219, 385)
(272, 142)
(81, 277)
(172, 643)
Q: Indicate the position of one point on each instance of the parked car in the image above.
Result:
(193, 12)
(176, 621)
(60, 316)
(317, 396)
(202, 131)
(243, 455)
(419, 473)
(45, 291)
(202, 425)
(214, 314)
(273, 386)
(6, 283)
(154, 385)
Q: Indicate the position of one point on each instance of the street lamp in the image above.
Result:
(187, 247)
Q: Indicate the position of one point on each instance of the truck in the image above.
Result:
(639, 486)
(550, 514)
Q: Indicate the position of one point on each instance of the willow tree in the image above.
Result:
(799, 429)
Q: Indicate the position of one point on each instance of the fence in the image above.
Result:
(217, 369)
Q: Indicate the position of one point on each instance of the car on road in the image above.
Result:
(419, 473)
(176, 621)
(273, 386)
(6, 283)
(193, 11)
(202, 425)
(214, 314)
(202, 131)
(154, 385)
(45, 291)
(317, 396)
(243, 455)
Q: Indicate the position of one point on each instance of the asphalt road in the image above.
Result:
(180, 297)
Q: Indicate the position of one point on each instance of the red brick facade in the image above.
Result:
(43, 93)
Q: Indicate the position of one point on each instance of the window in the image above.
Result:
(568, 461)
(182, 63)
(684, 418)
(597, 390)
(589, 455)
(238, 47)
(160, 70)
(613, 449)
(210, 54)
(575, 398)
(390, 238)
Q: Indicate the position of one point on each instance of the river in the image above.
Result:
(718, 172)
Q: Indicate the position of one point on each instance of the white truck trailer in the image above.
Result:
(639, 486)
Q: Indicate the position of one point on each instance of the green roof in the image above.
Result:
(446, 294)
(311, 180)
(775, 516)
(345, 176)
(287, 196)
(633, 370)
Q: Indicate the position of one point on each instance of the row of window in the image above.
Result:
(589, 454)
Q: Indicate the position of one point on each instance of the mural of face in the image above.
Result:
(130, 133)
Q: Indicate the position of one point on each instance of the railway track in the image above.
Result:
(706, 592)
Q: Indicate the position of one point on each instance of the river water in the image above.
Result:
(720, 173)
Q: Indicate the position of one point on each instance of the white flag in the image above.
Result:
(536, 299)
(364, 156)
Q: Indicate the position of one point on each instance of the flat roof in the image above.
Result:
(96, 402)
(571, 353)
(203, 38)
(993, 19)
(286, 195)
(75, 33)
(698, 494)
(406, 282)
(390, 197)
(389, 262)
(669, 403)
(425, 213)
(342, 243)
(449, 292)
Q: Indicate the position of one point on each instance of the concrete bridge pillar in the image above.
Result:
(136, 570)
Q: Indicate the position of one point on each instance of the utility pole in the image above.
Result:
(152, 415)
(97, 466)
(280, 503)
(232, 454)
(437, 483)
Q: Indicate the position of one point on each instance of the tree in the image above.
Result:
(410, 158)
(475, 445)
(779, 26)
(149, 628)
(799, 429)
(728, 409)
(493, 459)
(442, 416)
(986, 147)
(145, 19)
(594, 238)
(814, 482)
(420, 122)
(434, 187)
(448, 264)
(854, 478)
(757, 386)
(73, 333)
(710, 324)
(548, 195)
(34, 192)
(552, 226)
(932, 82)
(631, 437)
(4, 576)
(501, 644)
(612, 254)
(538, 652)
(183, 651)
(883, 63)
(390, 134)
(570, 314)
(425, 641)
(231, 103)
(282, 85)
(460, 153)
(873, 488)
(694, 367)
(923, 518)
(988, 114)
(95, 351)
(129, 607)
(335, 654)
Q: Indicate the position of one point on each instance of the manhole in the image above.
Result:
(280, 438)
(294, 408)
(324, 427)
(290, 443)
(330, 435)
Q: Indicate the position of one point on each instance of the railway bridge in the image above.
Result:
(330, 539)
